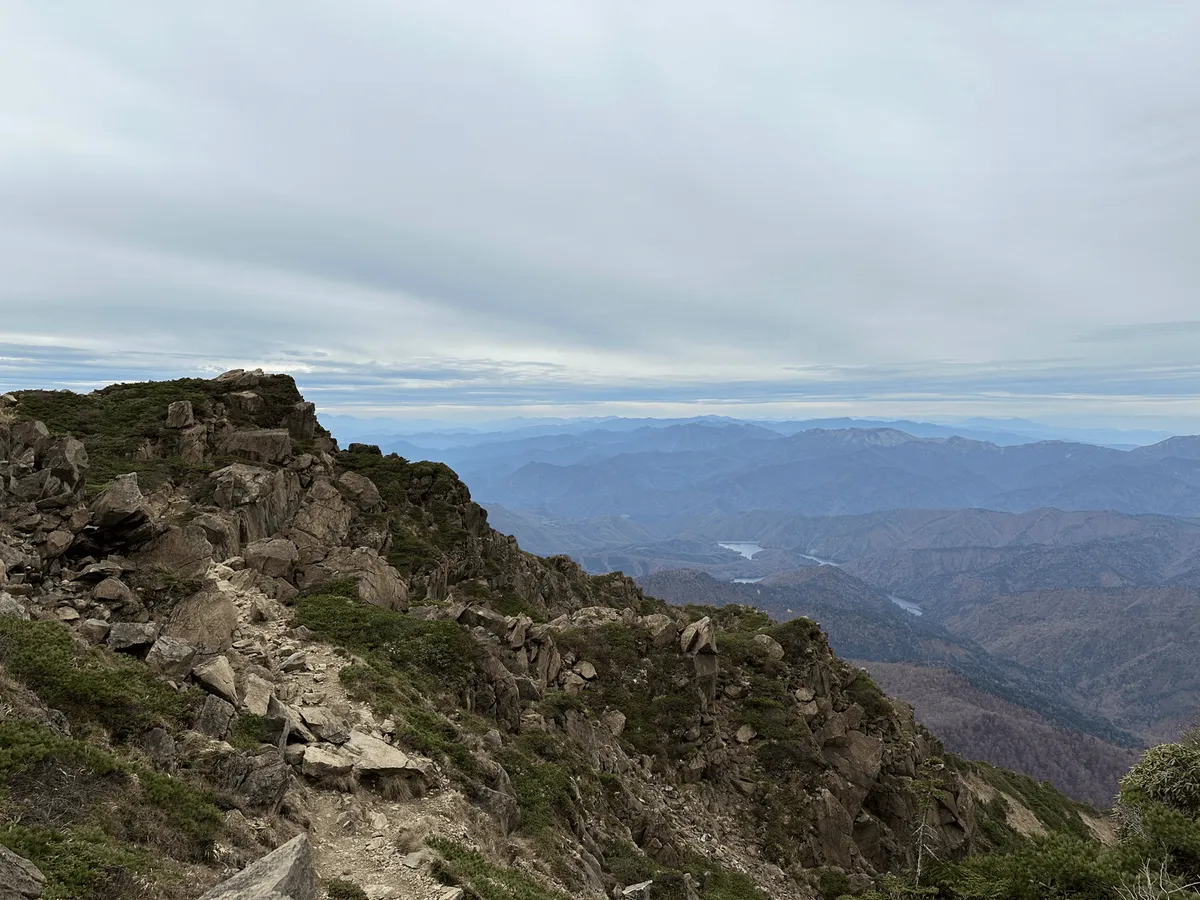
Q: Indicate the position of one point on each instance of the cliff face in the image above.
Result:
(256, 636)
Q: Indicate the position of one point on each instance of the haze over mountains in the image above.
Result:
(1058, 580)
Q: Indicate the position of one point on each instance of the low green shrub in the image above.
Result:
(90, 685)
(340, 889)
(83, 815)
(470, 869)
(442, 656)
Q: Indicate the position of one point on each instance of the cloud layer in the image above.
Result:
(875, 206)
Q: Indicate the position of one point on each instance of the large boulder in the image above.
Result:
(373, 757)
(216, 676)
(121, 508)
(19, 878)
(378, 582)
(171, 658)
(283, 874)
(274, 557)
(302, 420)
(323, 521)
(206, 620)
(180, 414)
(132, 637)
(260, 445)
(699, 637)
(262, 499)
(184, 552)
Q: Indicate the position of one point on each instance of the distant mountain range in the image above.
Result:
(694, 471)
(1059, 581)
(433, 434)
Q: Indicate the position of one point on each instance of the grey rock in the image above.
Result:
(287, 724)
(699, 637)
(283, 874)
(171, 658)
(325, 762)
(11, 608)
(246, 401)
(132, 637)
(261, 445)
(185, 552)
(325, 725)
(114, 591)
(206, 620)
(260, 499)
(180, 414)
(215, 717)
(94, 630)
(767, 646)
(121, 505)
(19, 878)
(256, 695)
(216, 676)
(56, 544)
(361, 489)
(375, 757)
(302, 420)
(297, 662)
(161, 747)
(274, 557)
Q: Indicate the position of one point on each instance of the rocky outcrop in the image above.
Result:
(615, 721)
(284, 874)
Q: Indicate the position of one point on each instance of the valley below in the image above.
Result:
(1071, 571)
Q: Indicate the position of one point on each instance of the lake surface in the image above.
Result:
(907, 605)
(747, 548)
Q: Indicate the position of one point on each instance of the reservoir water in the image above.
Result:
(748, 549)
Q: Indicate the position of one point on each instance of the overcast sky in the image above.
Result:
(468, 207)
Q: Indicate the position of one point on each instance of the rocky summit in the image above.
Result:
(237, 661)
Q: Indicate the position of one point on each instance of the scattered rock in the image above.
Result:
(171, 658)
(284, 874)
(11, 608)
(274, 557)
(256, 694)
(94, 630)
(132, 637)
(215, 717)
(699, 637)
(746, 734)
(19, 878)
(216, 676)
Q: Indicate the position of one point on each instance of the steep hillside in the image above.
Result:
(979, 725)
(221, 635)
(1044, 729)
